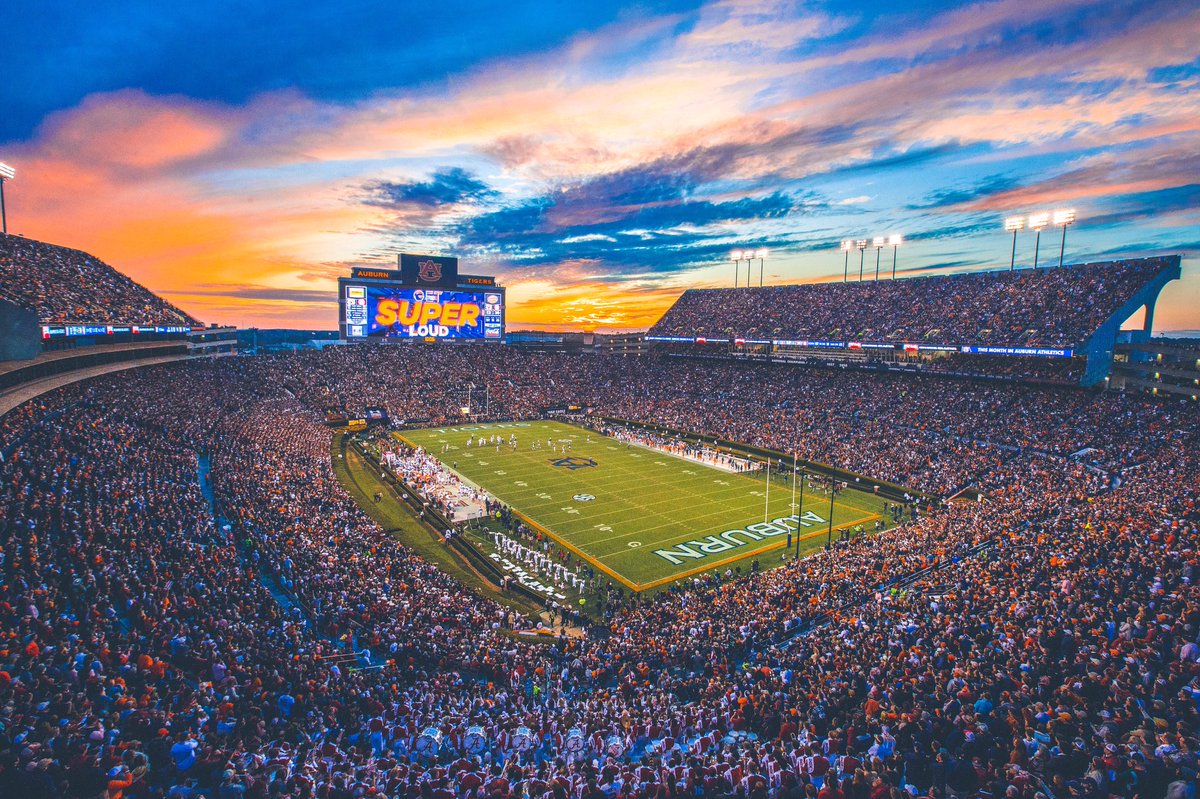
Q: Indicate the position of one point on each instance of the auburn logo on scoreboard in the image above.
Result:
(430, 271)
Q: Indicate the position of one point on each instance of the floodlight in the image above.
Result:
(1014, 223)
(6, 173)
(736, 255)
(879, 241)
(1039, 220)
(861, 244)
(761, 253)
(847, 245)
(1062, 218)
(895, 240)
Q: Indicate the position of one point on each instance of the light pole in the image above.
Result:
(761, 255)
(862, 253)
(1037, 222)
(895, 240)
(6, 173)
(767, 495)
(1064, 218)
(878, 242)
(736, 257)
(799, 508)
(832, 491)
(1014, 223)
(847, 246)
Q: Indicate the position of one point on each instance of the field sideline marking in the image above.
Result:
(582, 555)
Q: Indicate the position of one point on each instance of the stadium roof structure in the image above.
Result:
(1074, 310)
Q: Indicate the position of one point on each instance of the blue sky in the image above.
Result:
(599, 157)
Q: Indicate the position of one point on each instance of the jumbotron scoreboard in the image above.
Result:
(426, 299)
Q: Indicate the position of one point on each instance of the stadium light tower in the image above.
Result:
(1037, 222)
(6, 173)
(861, 244)
(878, 241)
(847, 246)
(761, 255)
(736, 257)
(895, 240)
(1064, 217)
(1014, 223)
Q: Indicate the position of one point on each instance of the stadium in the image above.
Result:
(878, 537)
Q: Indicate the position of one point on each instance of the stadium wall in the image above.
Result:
(20, 337)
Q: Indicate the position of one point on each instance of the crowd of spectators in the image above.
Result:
(930, 433)
(1057, 307)
(68, 286)
(193, 606)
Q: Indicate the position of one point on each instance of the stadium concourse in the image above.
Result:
(186, 583)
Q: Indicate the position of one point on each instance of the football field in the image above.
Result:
(642, 517)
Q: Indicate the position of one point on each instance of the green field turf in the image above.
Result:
(642, 517)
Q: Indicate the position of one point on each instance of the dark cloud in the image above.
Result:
(964, 230)
(659, 236)
(651, 217)
(1147, 204)
(939, 266)
(512, 221)
(942, 198)
(915, 156)
(445, 187)
(263, 293)
(634, 186)
(1175, 73)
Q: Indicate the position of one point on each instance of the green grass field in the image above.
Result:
(640, 516)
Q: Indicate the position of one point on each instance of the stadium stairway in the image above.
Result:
(270, 581)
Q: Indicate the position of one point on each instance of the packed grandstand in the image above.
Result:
(1027, 307)
(194, 605)
(66, 286)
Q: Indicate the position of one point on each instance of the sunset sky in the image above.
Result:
(598, 157)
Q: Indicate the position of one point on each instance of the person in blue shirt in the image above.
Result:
(184, 753)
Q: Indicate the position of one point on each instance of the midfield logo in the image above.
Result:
(572, 463)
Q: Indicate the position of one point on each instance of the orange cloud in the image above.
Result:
(589, 305)
(131, 129)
